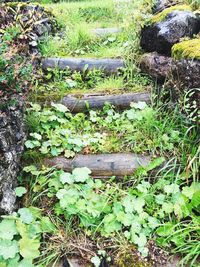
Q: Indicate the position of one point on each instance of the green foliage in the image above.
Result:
(14, 69)
(20, 191)
(138, 129)
(138, 213)
(96, 13)
(195, 4)
(20, 235)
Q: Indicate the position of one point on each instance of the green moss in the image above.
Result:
(131, 260)
(162, 15)
(187, 49)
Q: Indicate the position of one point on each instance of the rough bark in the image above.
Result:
(157, 66)
(102, 165)
(121, 101)
(161, 36)
(107, 65)
(12, 136)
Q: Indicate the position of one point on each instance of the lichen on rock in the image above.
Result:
(12, 136)
(188, 49)
(157, 66)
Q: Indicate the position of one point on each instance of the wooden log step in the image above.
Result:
(108, 65)
(102, 165)
(121, 101)
(106, 31)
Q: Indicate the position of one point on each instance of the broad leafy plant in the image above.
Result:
(57, 131)
(106, 208)
(20, 237)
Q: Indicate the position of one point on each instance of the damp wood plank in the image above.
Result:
(102, 165)
(108, 65)
(120, 101)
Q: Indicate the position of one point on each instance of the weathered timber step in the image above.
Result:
(107, 65)
(102, 165)
(106, 31)
(121, 101)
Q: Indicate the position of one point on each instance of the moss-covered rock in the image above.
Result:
(189, 49)
(161, 36)
(162, 15)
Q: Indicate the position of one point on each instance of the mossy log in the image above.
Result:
(121, 101)
(102, 165)
(107, 65)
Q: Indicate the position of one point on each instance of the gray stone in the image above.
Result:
(163, 35)
(12, 136)
(157, 66)
(186, 73)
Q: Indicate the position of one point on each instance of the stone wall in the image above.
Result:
(12, 137)
(35, 22)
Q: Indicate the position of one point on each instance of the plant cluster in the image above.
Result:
(138, 213)
(20, 236)
(19, 29)
(54, 84)
(14, 68)
(55, 131)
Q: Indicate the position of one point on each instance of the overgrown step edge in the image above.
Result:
(97, 101)
(102, 165)
(108, 65)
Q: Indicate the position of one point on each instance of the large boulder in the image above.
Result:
(163, 35)
(12, 136)
(157, 66)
